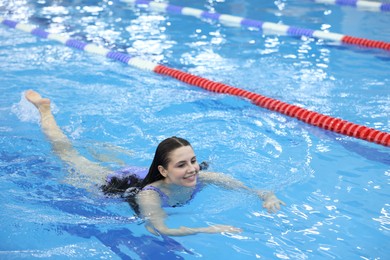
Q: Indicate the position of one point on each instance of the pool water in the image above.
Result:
(336, 188)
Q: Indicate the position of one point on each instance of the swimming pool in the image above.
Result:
(335, 187)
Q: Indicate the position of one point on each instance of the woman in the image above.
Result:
(172, 179)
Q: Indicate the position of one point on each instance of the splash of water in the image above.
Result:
(27, 112)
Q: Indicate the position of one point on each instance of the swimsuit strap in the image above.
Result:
(163, 196)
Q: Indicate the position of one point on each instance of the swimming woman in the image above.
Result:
(172, 179)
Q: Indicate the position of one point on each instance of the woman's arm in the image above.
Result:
(150, 207)
(271, 202)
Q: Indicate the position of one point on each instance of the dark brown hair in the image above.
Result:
(161, 157)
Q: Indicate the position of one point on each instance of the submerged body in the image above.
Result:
(172, 179)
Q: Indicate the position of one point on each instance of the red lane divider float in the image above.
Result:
(326, 122)
(323, 121)
(366, 42)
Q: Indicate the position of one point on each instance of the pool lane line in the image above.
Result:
(310, 117)
(236, 21)
(359, 4)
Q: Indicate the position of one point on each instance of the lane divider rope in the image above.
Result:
(236, 21)
(359, 4)
(310, 117)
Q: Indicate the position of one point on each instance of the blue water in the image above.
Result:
(336, 188)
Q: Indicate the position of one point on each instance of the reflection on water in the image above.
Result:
(335, 187)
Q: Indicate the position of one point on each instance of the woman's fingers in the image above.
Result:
(273, 206)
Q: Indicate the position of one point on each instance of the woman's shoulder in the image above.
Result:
(153, 189)
(148, 194)
(156, 184)
(152, 194)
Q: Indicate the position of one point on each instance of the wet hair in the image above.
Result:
(161, 157)
(119, 185)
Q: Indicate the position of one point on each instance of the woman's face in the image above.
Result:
(182, 168)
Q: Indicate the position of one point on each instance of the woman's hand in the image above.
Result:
(271, 202)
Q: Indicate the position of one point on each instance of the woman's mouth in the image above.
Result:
(190, 177)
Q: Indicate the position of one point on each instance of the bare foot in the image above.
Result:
(36, 99)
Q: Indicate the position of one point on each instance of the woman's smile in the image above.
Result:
(191, 177)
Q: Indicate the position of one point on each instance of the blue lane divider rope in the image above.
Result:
(266, 27)
(359, 4)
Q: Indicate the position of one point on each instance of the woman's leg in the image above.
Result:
(62, 146)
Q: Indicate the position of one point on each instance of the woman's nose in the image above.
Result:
(193, 167)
